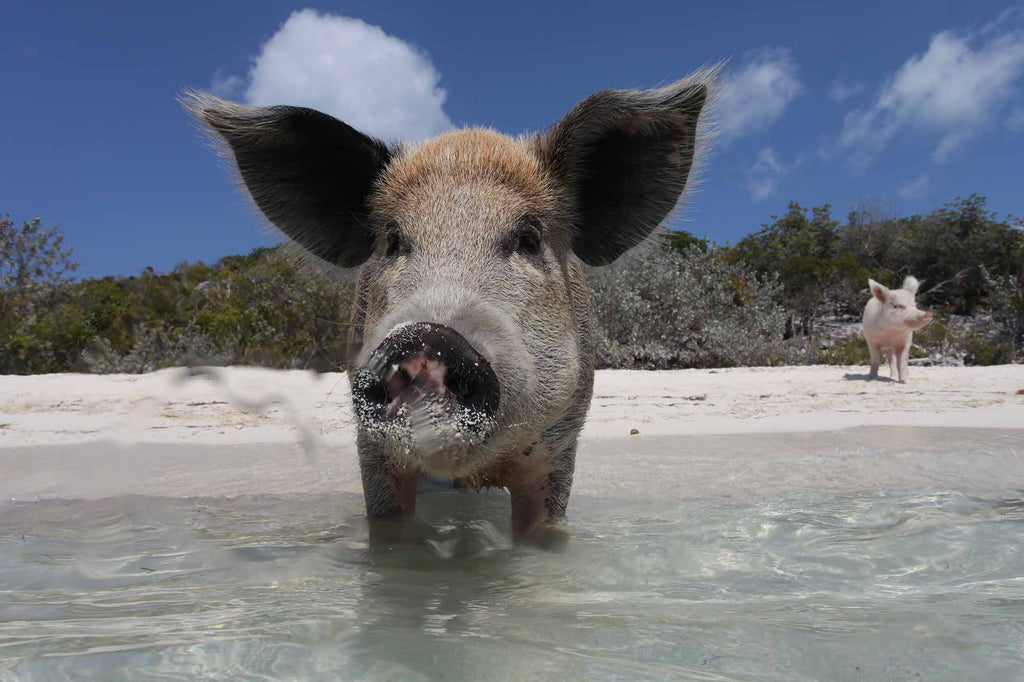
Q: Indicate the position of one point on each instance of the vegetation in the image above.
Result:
(690, 308)
(263, 309)
(691, 304)
(806, 254)
(968, 260)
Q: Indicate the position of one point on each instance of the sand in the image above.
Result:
(163, 408)
(85, 436)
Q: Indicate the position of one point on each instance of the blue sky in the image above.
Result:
(910, 103)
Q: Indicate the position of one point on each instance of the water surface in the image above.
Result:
(850, 555)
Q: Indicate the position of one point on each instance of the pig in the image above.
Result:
(472, 354)
(890, 319)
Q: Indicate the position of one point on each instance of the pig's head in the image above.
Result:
(899, 310)
(470, 247)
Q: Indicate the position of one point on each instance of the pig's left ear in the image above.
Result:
(879, 291)
(310, 174)
(625, 156)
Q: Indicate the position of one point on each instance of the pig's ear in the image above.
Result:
(878, 291)
(310, 174)
(911, 284)
(625, 155)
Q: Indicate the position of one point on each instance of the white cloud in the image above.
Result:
(755, 96)
(843, 90)
(350, 69)
(915, 189)
(227, 86)
(950, 93)
(763, 177)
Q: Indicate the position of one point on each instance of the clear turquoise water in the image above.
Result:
(798, 581)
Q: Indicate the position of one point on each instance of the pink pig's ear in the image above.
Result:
(911, 284)
(878, 291)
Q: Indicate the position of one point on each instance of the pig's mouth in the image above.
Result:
(427, 379)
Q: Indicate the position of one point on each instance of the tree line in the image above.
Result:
(693, 303)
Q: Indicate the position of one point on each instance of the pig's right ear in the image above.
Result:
(310, 174)
(625, 157)
(878, 291)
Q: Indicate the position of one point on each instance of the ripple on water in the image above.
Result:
(877, 583)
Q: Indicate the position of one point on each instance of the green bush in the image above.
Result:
(982, 350)
(851, 350)
(264, 308)
(664, 309)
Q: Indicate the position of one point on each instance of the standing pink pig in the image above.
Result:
(890, 319)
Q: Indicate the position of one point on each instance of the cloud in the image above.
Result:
(755, 96)
(950, 93)
(915, 189)
(227, 86)
(350, 69)
(763, 177)
(843, 90)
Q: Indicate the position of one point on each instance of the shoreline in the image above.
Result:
(161, 407)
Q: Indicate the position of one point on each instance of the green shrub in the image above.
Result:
(666, 309)
(982, 350)
(851, 350)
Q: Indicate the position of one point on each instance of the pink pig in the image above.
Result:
(890, 319)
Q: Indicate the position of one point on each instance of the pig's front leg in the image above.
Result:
(876, 359)
(539, 480)
(904, 359)
(389, 493)
(892, 358)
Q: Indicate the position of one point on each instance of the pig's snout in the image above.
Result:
(427, 367)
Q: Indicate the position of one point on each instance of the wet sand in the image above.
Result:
(637, 468)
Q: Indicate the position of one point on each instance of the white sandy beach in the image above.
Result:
(88, 436)
(161, 408)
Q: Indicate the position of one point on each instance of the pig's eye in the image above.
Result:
(526, 238)
(898, 306)
(396, 246)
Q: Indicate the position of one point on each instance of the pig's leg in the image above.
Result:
(876, 357)
(540, 487)
(539, 480)
(904, 363)
(891, 357)
(390, 494)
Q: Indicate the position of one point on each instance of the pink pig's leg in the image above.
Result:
(875, 358)
(904, 363)
(892, 357)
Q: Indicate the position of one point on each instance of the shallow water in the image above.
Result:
(861, 574)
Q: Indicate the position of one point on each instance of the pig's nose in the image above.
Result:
(421, 364)
(928, 315)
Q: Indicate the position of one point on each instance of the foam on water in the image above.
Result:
(850, 579)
